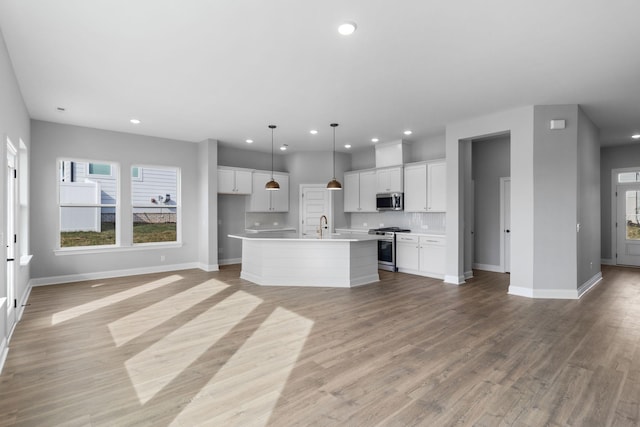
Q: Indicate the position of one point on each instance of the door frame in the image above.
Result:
(503, 181)
(12, 297)
(301, 205)
(614, 210)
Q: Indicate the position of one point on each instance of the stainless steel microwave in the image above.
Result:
(390, 201)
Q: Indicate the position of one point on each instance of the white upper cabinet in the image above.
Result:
(415, 188)
(425, 187)
(263, 200)
(389, 180)
(234, 181)
(437, 186)
(360, 191)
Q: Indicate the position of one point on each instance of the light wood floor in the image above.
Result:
(189, 348)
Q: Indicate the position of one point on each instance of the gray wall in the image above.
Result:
(589, 254)
(624, 156)
(239, 158)
(490, 162)
(52, 141)
(14, 124)
(555, 194)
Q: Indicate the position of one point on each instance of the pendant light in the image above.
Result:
(272, 184)
(334, 184)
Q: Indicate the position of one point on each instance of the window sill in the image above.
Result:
(115, 249)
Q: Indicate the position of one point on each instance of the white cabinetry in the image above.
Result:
(423, 255)
(437, 186)
(234, 181)
(360, 191)
(263, 200)
(425, 187)
(389, 180)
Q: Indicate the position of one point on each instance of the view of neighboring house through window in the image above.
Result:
(155, 199)
(88, 203)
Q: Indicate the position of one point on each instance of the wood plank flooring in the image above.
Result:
(194, 348)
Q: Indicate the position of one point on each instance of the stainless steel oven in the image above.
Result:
(387, 247)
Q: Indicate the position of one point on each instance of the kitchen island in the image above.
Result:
(286, 259)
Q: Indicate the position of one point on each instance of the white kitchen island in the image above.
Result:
(285, 259)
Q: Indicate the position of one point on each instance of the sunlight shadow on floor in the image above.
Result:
(155, 367)
(247, 388)
(135, 324)
(74, 312)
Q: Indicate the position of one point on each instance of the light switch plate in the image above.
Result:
(558, 124)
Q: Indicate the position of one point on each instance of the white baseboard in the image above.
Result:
(488, 267)
(607, 261)
(4, 351)
(208, 267)
(543, 293)
(55, 280)
(468, 274)
(454, 280)
(230, 261)
(22, 302)
(556, 293)
(589, 284)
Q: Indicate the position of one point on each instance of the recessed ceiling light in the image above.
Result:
(347, 146)
(347, 28)
(284, 147)
(407, 132)
(636, 136)
(135, 121)
(249, 141)
(374, 140)
(313, 132)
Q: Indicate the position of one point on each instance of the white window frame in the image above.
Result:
(114, 175)
(178, 206)
(140, 173)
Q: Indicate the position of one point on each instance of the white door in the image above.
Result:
(505, 222)
(315, 201)
(11, 204)
(628, 224)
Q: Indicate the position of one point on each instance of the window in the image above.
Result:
(155, 200)
(88, 207)
(627, 177)
(100, 170)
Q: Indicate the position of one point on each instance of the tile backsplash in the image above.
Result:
(415, 221)
(265, 219)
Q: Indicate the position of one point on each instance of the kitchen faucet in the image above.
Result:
(326, 223)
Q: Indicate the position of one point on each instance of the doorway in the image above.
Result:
(315, 201)
(489, 182)
(628, 224)
(11, 238)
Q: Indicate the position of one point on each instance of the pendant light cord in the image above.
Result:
(272, 153)
(334, 152)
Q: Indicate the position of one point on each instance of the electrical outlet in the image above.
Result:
(162, 258)
(364, 224)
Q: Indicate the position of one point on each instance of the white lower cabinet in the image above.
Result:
(423, 255)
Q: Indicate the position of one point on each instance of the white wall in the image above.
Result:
(589, 253)
(519, 122)
(51, 141)
(14, 124)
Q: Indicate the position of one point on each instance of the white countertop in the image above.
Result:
(414, 233)
(270, 229)
(335, 237)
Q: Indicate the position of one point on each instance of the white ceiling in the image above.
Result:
(225, 69)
